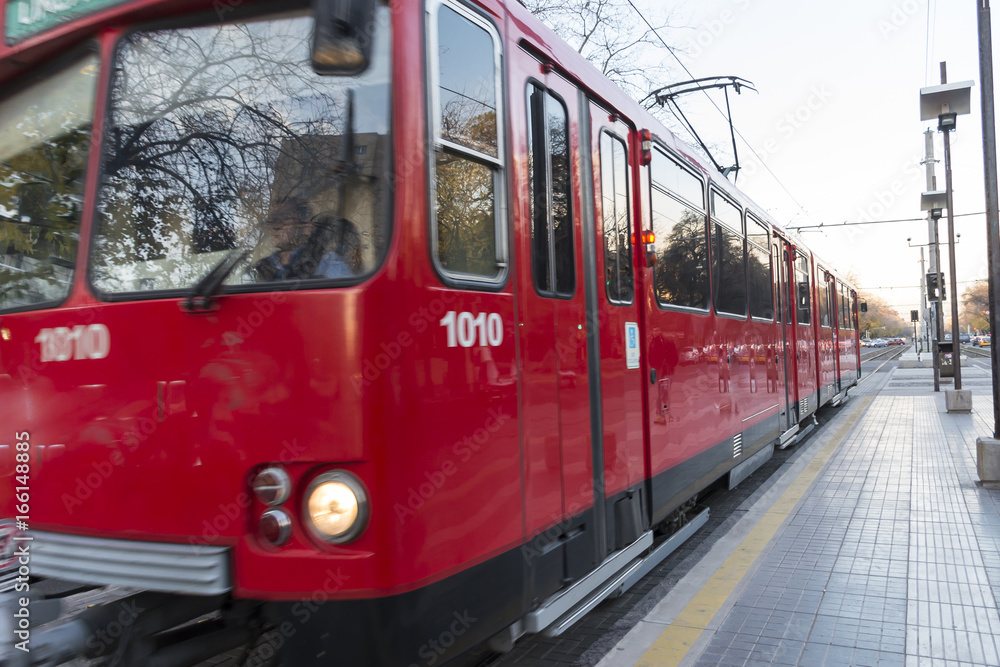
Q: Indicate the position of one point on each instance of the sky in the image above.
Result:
(837, 123)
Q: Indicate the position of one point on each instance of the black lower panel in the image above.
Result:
(760, 435)
(672, 487)
(424, 627)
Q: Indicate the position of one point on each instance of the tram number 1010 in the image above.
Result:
(80, 342)
(465, 329)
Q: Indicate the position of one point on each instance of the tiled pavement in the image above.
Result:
(892, 557)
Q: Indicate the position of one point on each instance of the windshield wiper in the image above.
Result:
(201, 298)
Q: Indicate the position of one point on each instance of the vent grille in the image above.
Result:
(804, 405)
(737, 445)
(172, 568)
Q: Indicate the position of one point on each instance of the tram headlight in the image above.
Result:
(336, 507)
(272, 486)
(275, 527)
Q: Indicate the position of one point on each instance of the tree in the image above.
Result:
(880, 320)
(612, 36)
(681, 271)
(976, 306)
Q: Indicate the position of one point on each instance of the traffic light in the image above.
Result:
(914, 315)
(933, 287)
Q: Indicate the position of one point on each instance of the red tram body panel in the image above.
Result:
(520, 329)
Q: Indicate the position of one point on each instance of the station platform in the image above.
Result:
(877, 545)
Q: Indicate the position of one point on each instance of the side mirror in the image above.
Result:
(342, 40)
(864, 306)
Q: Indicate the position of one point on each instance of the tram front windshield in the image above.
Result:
(222, 142)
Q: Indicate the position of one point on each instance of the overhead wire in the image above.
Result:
(960, 282)
(874, 222)
(684, 67)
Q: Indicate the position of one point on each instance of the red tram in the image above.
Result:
(390, 325)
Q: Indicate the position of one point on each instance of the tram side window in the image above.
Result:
(759, 269)
(790, 299)
(779, 298)
(549, 185)
(845, 311)
(45, 136)
(468, 236)
(680, 275)
(854, 310)
(617, 220)
(824, 297)
(803, 304)
(728, 258)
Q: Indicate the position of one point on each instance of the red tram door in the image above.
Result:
(786, 314)
(833, 319)
(614, 313)
(564, 526)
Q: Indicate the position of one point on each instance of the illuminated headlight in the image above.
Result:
(272, 486)
(336, 507)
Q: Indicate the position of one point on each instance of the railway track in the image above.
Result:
(883, 353)
(979, 352)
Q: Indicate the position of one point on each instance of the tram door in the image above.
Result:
(833, 306)
(786, 315)
(562, 522)
(615, 190)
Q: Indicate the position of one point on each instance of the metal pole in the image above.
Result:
(956, 349)
(923, 301)
(935, 256)
(990, 169)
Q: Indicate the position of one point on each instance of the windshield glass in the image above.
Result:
(44, 141)
(222, 138)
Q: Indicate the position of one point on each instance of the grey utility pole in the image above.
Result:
(956, 348)
(990, 169)
(924, 324)
(935, 257)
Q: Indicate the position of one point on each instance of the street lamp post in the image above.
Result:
(990, 173)
(946, 102)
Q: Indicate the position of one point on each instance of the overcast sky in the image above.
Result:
(837, 121)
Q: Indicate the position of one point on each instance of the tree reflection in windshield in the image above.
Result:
(211, 128)
(680, 274)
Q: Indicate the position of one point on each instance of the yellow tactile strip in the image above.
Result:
(673, 644)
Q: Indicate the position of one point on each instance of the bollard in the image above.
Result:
(988, 462)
